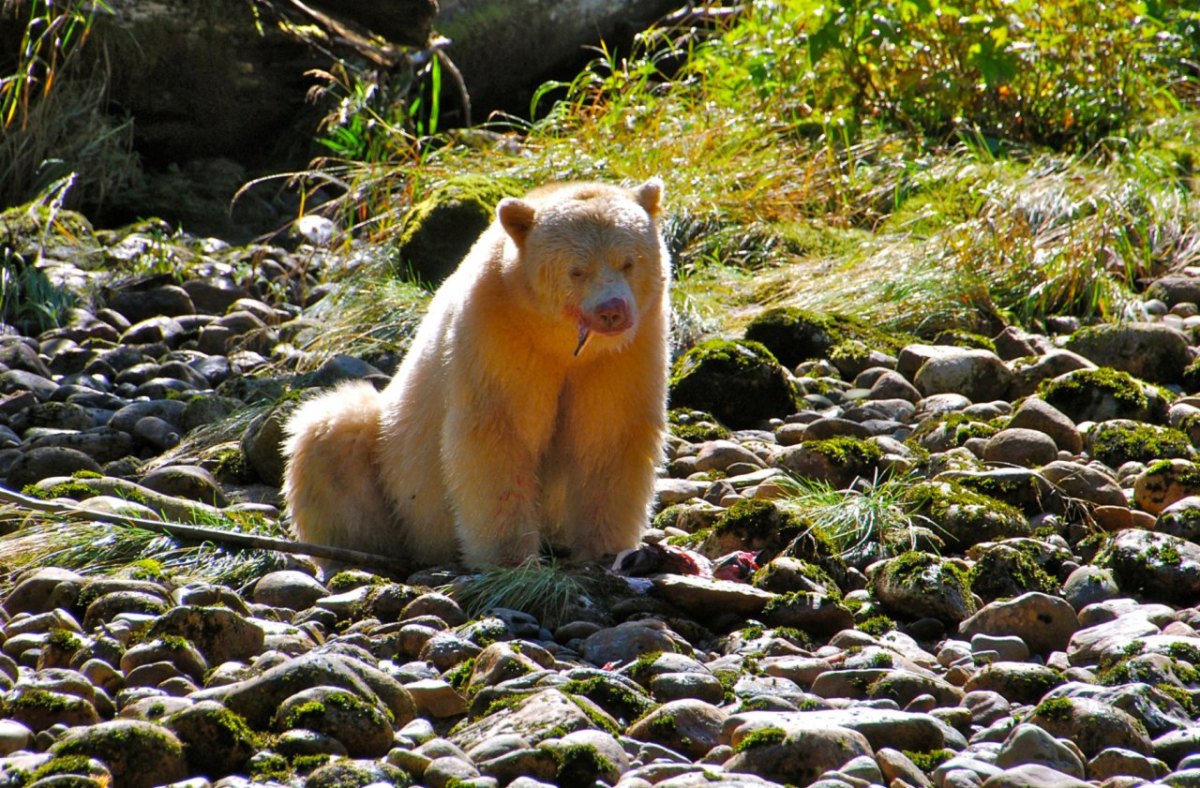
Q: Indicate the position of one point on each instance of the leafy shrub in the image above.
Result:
(1062, 74)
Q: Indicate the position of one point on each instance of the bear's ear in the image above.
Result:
(649, 196)
(516, 217)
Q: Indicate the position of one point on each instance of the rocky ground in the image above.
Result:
(1020, 609)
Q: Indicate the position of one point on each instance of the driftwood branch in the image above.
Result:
(196, 533)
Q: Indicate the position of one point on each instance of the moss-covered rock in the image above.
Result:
(821, 614)
(914, 585)
(964, 517)
(1160, 567)
(441, 228)
(753, 525)
(1181, 517)
(838, 461)
(1023, 488)
(950, 430)
(796, 335)
(1104, 394)
(959, 338)
(695, 426)
(216, 741)
(1151, 351)
(1091, 724)
(739, 382)
(1119, 441)
(138, 754)
(1005, 571)
(1164, 482)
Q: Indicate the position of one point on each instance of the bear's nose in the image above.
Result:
(612, 314)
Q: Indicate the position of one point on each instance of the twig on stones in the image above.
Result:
(197, 533)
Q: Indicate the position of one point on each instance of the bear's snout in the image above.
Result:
(612, 316)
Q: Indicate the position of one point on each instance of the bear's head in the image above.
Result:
(590, 255)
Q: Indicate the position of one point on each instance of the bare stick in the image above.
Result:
(197, 533)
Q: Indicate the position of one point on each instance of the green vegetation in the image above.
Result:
(878, 512)
(1115, 443)
(763, 737)
(928, 761)
(98, 548)
(542, 589)
(972, 165)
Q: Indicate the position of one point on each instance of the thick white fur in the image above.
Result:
(494, 436)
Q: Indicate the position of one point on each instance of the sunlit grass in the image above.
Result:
(543, 589)
(98, 548)
(873, 514)
(792, 182)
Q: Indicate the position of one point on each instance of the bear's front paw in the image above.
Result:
(494, 551)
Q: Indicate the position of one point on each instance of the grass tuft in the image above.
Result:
(543, 589)
(876, 512)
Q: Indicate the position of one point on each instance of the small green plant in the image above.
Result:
(869, 512)
(542, 589)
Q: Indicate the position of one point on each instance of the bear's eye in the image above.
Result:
(577, 274)
(627, 266)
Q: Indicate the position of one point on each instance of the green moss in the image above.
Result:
(1115, 443)
(351, 579)
(1187, 475)
(64, 640)
(847, 452)
(236, 731)
(965, 339)
(595, 715)
(850, 351)
(1077, 392)
(1184, 651)
(752, 632)
(759, 523)
(925, 573)
(763, 737)
(612, 696)
(63, 764)
(797, 637)
(1055, 709)
(268, 767)
(459, 676)
(39, 699)
(960, 427)
(582, 764)
(881, 659)
(739, 382)
(75, 490)
(147, 569)
(1009, 572)
(1180, 696)
(963, 516)
(643, 668)
(306, 715)
(930, 760)
(795, 335)
(303, 764)
(695, 426)
(878, 625)
(231, 463)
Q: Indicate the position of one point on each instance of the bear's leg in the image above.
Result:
(610, 442)
(610, 499)
(330, 484)
(492, 478)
